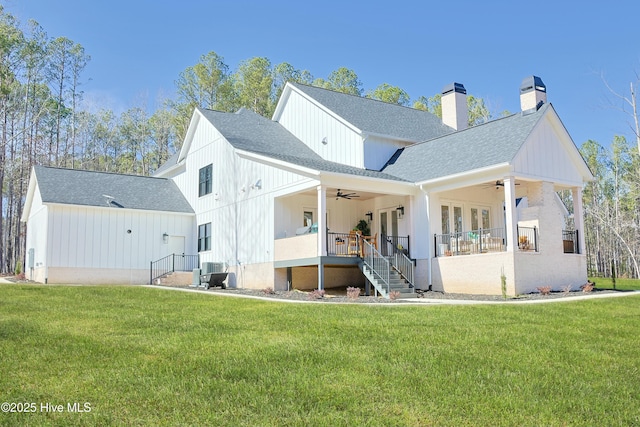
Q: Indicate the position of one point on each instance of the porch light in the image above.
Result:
(165, 238)
(369, 215)
(400, 210)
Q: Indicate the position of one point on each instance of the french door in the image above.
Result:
(388, 230)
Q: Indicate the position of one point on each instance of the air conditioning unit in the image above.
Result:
(219, 267)
(207, 267)
(213, 267)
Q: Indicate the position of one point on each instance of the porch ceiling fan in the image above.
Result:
(497, 184)
(347, 196)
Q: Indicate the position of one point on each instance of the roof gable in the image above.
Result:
(102, 189)
(371, 116)
(482, 146)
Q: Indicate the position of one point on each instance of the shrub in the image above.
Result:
(566, 289)
(394, 294)
(587, 287)
(316, 294)
(268, 291)
(18, 269)
(353, 292)
(544, 290)
(503, 284)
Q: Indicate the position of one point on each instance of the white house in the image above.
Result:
(275, 200)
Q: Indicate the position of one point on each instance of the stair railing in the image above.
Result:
(378, 264)
(172, 263)
(404, 265)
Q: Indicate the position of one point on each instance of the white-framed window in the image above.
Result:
(452, 217)
(457, 217)
(204, 237)
(205, 180)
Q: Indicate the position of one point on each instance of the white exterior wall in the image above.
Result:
(37, 225)
(241, 217)
(544, 156)
(91, 244)
(475, 274)
(311, 124)
(378, 151)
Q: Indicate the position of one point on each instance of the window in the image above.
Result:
(308, 218)
(451, 218)
(480, 218)
(205, 180)
(204, 237)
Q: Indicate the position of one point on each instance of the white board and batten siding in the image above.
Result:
(36, 242)
(312, 124)
(241, 213)
(378, 151)
(87, 244)
(546, 155)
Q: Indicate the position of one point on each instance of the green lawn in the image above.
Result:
(621, 284)
(143, 356)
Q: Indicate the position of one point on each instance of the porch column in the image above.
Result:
(578, 217)
(510, 213)
(430, 248)
(322, 233)
(322, 220)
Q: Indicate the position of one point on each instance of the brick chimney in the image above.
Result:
(533, 93)
(455, 113)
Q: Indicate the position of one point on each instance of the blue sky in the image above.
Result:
(139, 47)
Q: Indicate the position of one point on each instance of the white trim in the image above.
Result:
(331, 178)
(30, 194)
(465, 179)
(114, 209)
(280, 164)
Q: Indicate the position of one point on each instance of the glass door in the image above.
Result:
(388, 231)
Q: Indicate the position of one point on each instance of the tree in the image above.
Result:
(342, 80)
(478, 112)
(629, 106)
(432, 104)
(254, 84)
(59, 73)
(204, 85)
(391, 94)
(285, 72)
(162, 133)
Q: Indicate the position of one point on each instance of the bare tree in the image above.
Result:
(628, 105)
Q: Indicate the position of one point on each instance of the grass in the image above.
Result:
(144, 356)
(621, 283)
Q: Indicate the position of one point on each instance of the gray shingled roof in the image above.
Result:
(248, 131)
(477, 147)
(86, 188)
(170, 162)
(372, 116)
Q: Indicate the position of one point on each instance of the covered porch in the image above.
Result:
(328, 229)
(510, 229)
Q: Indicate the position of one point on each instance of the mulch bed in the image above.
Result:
(338, 296)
